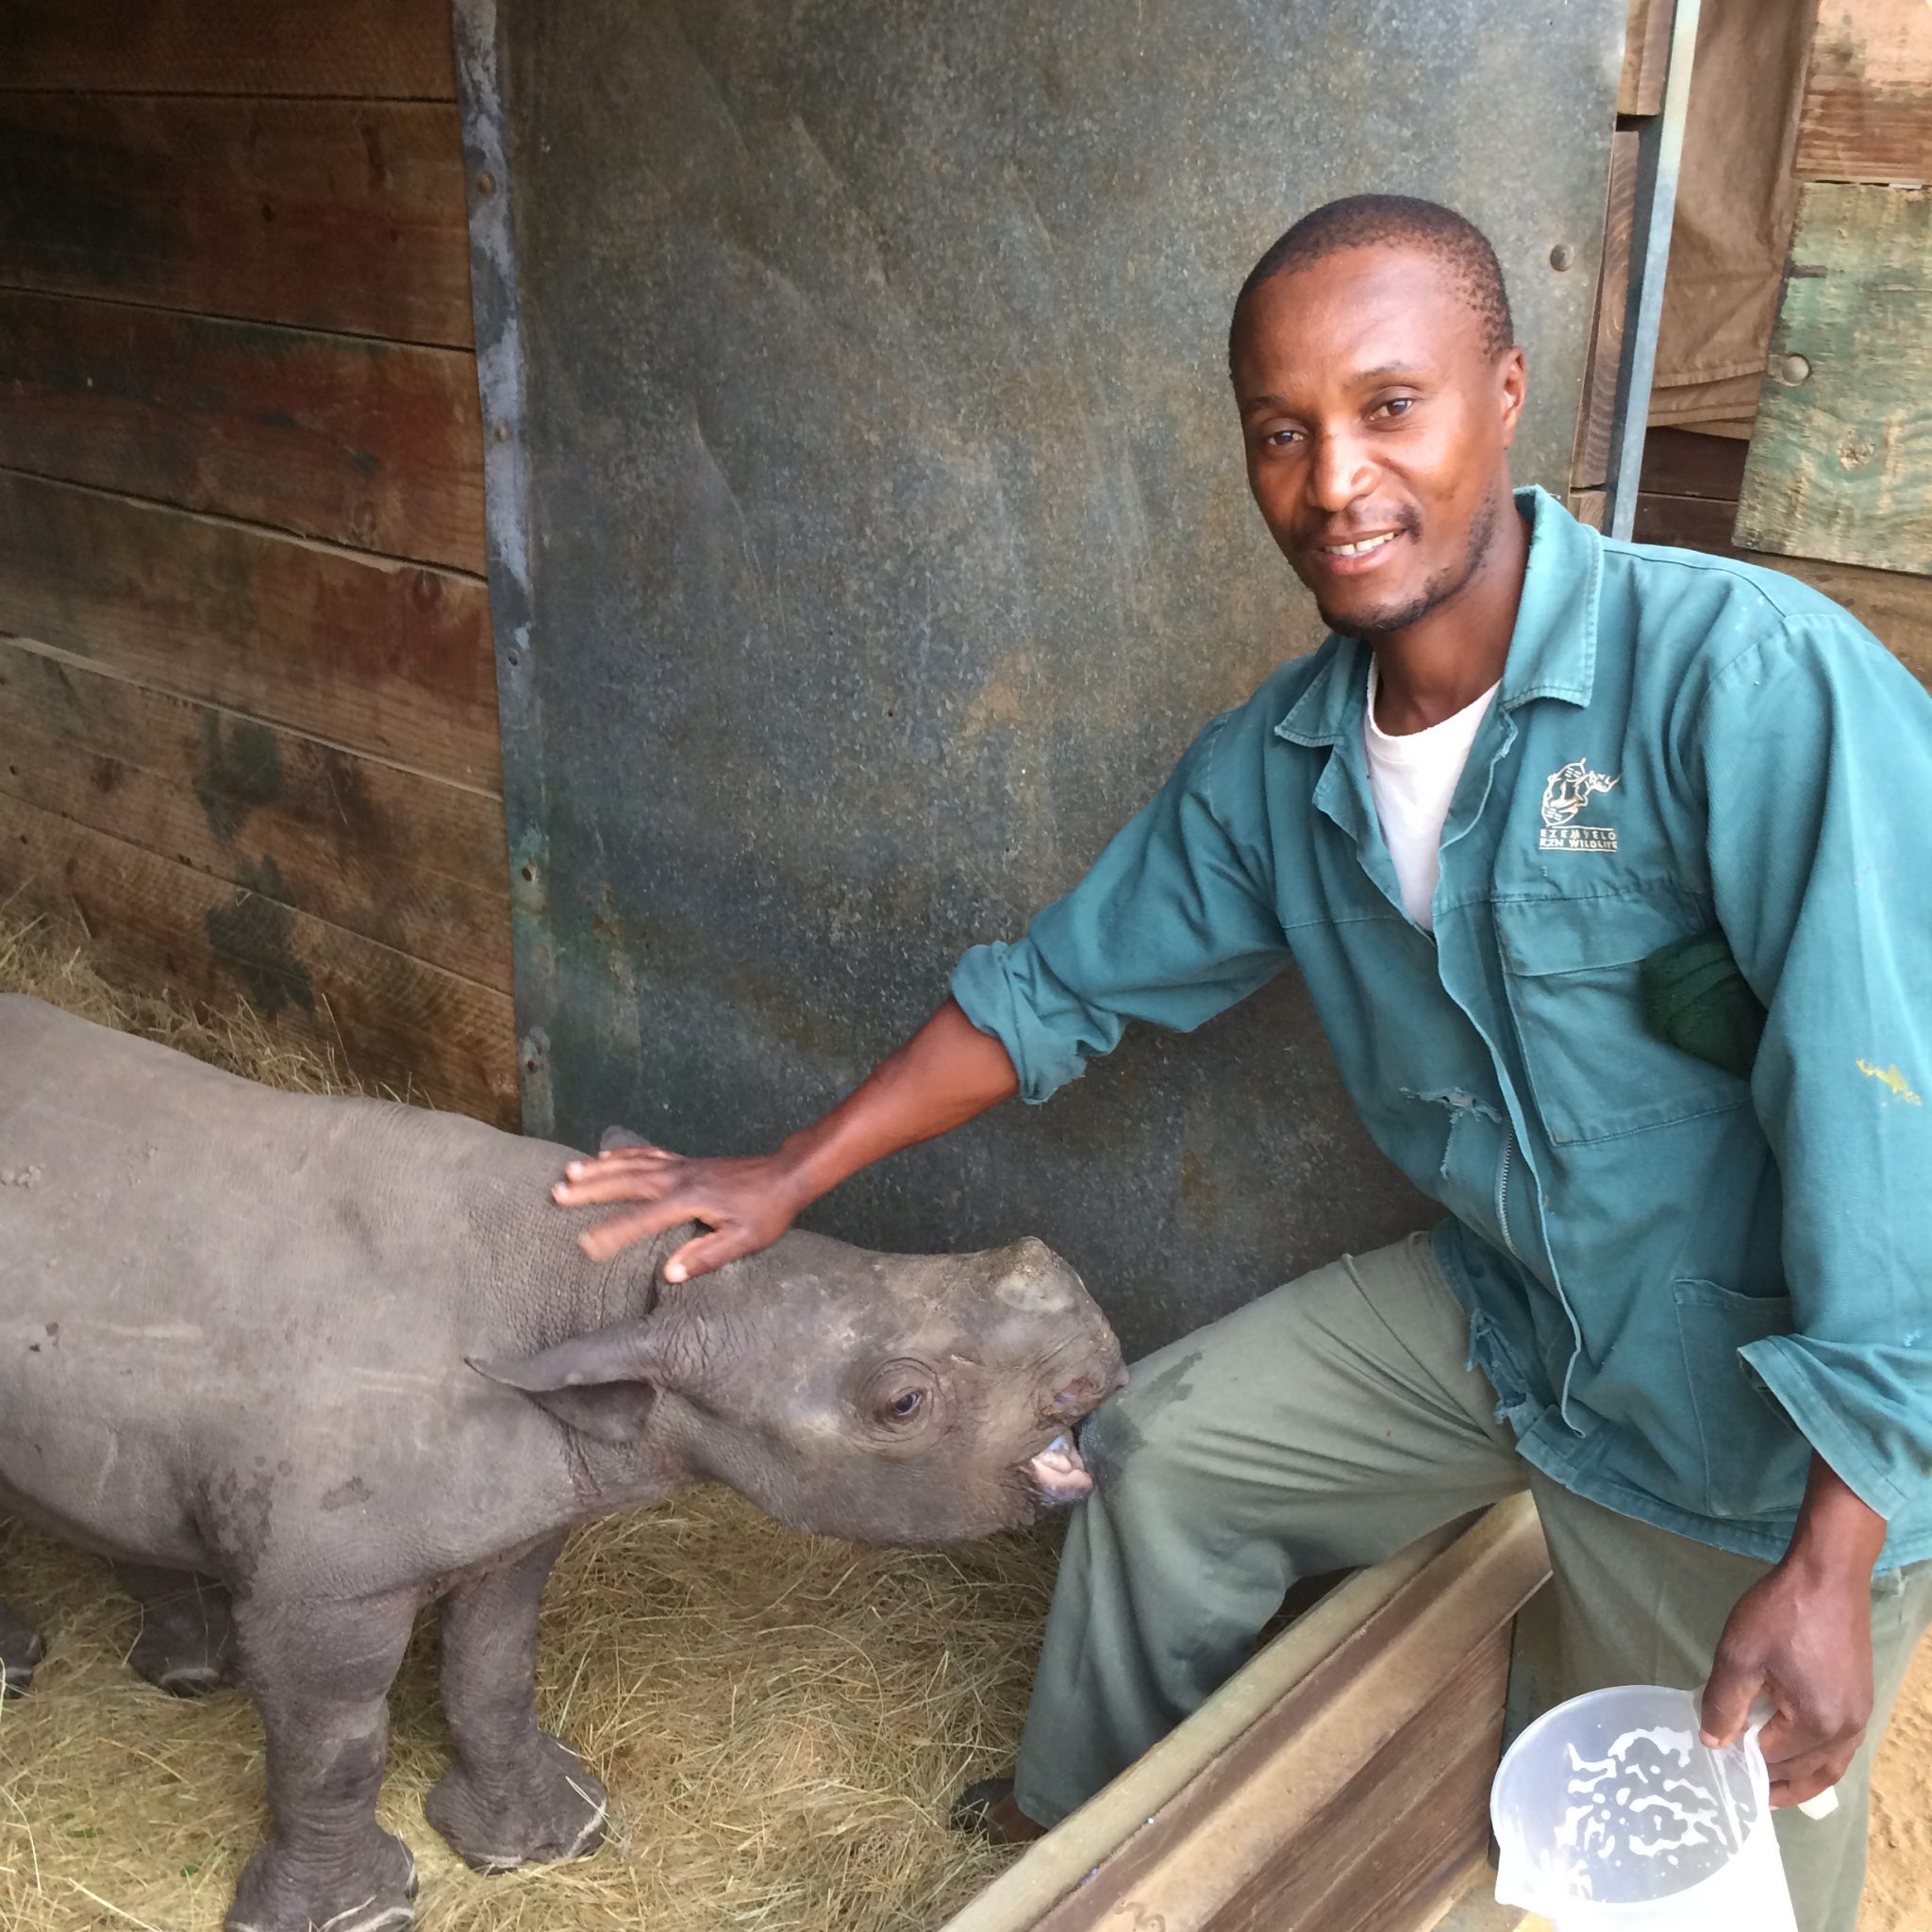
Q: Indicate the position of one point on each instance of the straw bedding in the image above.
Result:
(781, 1719)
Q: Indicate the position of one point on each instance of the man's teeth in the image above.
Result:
(1361, 549)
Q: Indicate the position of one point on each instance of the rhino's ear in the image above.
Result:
(603, 1383)
(619, 1137)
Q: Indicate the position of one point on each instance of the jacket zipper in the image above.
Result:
(1503, 1193)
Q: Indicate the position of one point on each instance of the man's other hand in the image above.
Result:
(1801, 1638)
(1806, 1643)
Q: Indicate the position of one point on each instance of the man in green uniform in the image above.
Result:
(1606, 869)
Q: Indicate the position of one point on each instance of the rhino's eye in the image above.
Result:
(900, 1396)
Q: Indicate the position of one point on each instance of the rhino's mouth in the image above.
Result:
(1058, 1473)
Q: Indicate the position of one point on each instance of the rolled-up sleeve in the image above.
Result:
(1174, 923)
(1817, 753)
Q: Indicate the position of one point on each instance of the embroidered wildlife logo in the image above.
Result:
(1566, 794)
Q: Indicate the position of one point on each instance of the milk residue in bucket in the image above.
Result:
(1639, 1801)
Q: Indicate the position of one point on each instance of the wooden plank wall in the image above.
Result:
(1868, 93)
(248, 729)
(1821, 492)
(1690, 494)
(1840, 463)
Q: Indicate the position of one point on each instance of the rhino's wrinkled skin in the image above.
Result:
(298, 1366)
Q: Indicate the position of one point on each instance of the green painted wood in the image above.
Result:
(1840, 465)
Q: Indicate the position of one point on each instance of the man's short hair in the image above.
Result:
(1367, 221)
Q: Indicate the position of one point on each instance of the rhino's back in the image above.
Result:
(204, 1280)
(139, 1184)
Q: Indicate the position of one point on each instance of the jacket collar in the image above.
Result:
(1552, 651)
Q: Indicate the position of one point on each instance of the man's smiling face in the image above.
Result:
(1377, 420)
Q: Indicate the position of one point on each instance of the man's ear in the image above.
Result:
(604, 1383)
(1515, 387)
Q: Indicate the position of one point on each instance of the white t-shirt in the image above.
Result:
(1413, 778)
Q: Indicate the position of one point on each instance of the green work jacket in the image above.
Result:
(1679, 1281)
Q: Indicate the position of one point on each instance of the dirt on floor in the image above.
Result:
(1898, 1888)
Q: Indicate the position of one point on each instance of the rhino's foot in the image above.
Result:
(21, 1649)
(545, 1809)
(187, 1641)
(369, 1892)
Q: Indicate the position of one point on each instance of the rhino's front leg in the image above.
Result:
(515, 1795)
(186, 1646)
(320, 1674)
(21, 1649)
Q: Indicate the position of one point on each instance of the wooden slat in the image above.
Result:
(155, 924)
(1590, 465)
(1691, 523)
(1867, 96)
(1066, 1857)
(1350, 1869)
(377, 49)
(414, 863)
(1840, 463)
(1646, 56)
(367, 443)
(1685, 462)
(1361, 1790)
(1894, 607)
(322, 214)
(390, 659)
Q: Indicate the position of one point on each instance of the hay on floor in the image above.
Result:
(781, 1719)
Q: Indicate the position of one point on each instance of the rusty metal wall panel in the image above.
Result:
(887, 539)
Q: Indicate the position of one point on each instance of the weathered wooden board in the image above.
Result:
(1353, 1793)
(413, 863)
(1349, 1869)
(1694, 523)
(369, 444)
(1867, 96)
(390, 659)
(322, 214)
(1688, 462)
(1840, 463)
(378, 49)
(1895, 608)
(423, 1032)
(1646, 56)
(1590, 465)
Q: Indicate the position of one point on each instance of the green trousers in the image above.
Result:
(1322, 1427)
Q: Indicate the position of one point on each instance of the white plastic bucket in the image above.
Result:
(1609, 1813)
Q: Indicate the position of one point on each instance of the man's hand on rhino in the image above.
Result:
(946, 1075)
(747, 1203)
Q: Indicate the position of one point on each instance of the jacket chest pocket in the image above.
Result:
(1570, 972)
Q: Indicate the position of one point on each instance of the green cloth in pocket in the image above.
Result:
(1693, 997)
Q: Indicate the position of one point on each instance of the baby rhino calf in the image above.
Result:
(299, 1366)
